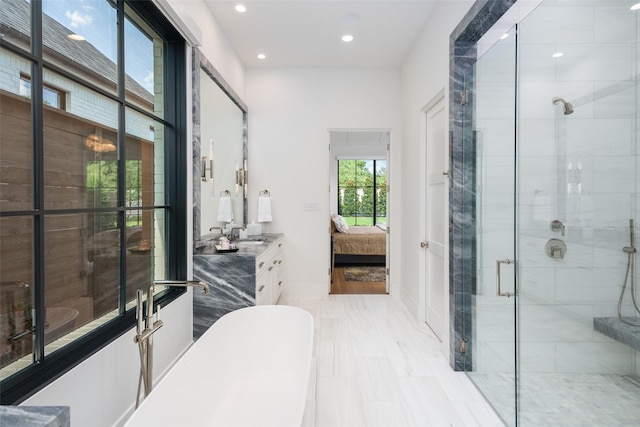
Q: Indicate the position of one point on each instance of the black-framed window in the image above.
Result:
(92, 178)
(362, 191)
(51, 96)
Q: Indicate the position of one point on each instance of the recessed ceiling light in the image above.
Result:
(76, 37)
(557, 55)
(241, 8)
(635, 6)
(262, 56)
(504, 36)
(347, 38)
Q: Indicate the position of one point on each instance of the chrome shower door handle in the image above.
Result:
(499, 292)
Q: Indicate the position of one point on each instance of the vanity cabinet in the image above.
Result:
(269, 275)
(251, 276)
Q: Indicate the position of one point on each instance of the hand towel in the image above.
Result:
(225, 210)
(264, 209)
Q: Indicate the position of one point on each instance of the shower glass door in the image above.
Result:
(553, 122)
(578, 191)
(491, 88)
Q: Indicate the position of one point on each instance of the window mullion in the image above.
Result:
(38, 181)
(122, 169)
(375, 192)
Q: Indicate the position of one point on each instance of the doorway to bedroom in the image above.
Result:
(358, 233)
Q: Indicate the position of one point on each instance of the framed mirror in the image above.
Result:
(219, 151)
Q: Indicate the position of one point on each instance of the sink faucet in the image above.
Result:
(232, 230)
(147, 326)
(216, 228)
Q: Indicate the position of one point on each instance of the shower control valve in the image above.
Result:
(557, 225)
(556, 248)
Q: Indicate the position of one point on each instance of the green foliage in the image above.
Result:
(102, 189)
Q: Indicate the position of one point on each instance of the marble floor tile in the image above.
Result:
(477, 414)
(385, 414)
(377, 379)
(339, 403)
(375, 365)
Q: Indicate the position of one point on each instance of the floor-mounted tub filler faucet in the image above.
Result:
(147, 326)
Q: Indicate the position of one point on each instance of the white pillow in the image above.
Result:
(340, 223)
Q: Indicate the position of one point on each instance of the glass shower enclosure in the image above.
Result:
(555, 329)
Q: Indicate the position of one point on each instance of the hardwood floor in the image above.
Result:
(375, 365)
(339, 285)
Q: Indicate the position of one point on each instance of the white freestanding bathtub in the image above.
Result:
(251, 368)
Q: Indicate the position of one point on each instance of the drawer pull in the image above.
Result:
(261, 264)
(275, 261)
(270, 268)
(280, 283)
(261, 288)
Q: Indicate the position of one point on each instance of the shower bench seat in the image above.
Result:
(619, 331)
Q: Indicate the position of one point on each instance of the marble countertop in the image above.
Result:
(252, 250)
(35, 416)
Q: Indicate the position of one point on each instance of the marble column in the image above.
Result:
(462, 198)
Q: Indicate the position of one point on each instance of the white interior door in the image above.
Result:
(436, 218)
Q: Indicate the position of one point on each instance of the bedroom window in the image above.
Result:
(362, 191)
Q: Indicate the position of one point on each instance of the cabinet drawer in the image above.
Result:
(263, 293)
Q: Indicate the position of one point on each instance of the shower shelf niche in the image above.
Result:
(619, 331)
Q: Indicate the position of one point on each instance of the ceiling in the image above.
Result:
(307, 33)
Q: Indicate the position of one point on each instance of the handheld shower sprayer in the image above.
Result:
(629, 277)
(567, 108)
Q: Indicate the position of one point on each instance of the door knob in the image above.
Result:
(424, 244)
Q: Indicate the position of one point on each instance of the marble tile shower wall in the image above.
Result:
(579, 168)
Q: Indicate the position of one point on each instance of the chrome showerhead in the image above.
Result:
(567, 108)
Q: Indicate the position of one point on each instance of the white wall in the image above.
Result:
(290, 113)
(215, 46)
(424, 74)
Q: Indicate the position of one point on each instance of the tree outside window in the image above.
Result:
(362, 194)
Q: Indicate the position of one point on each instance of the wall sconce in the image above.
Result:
(206, 169)
(241, 177)
(203, 161)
